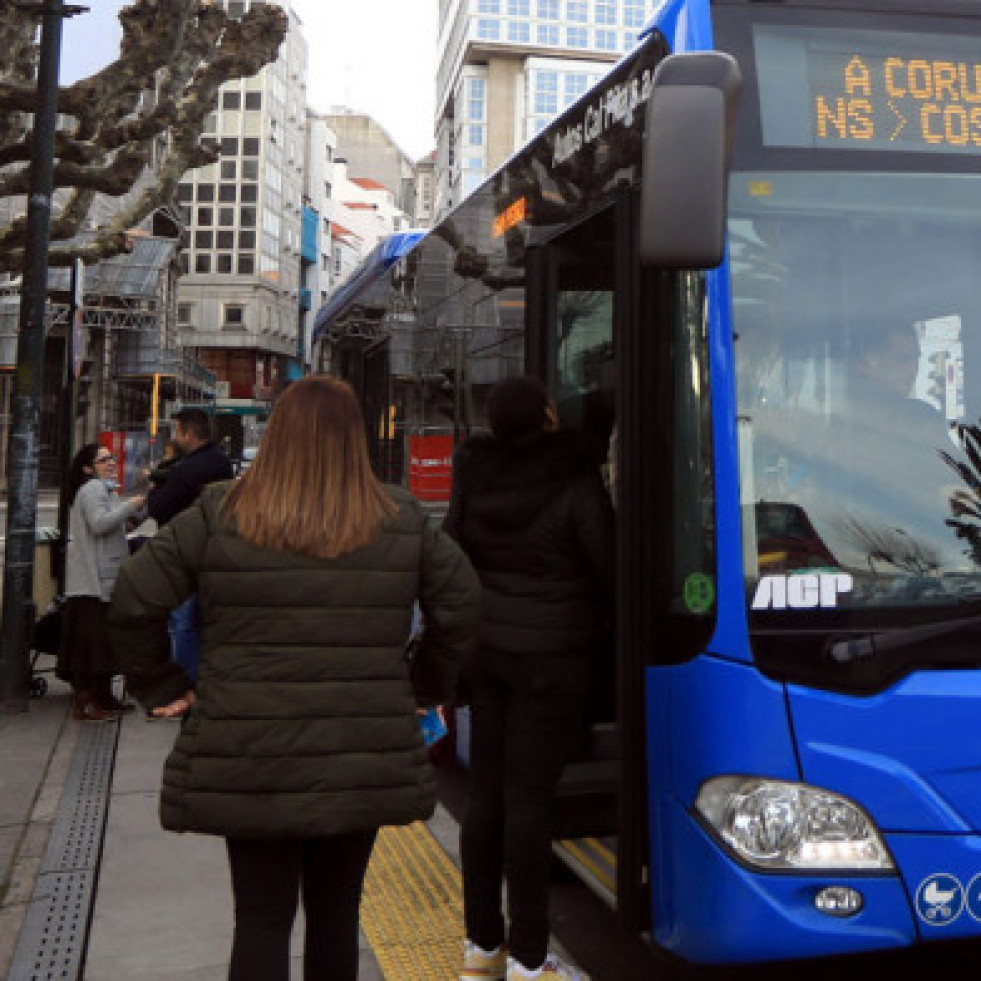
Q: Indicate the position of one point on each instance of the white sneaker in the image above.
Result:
(478, 964)
(552, 970)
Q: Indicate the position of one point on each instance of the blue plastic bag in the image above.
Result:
(433, 727)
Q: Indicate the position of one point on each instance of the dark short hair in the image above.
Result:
(196, 420)
(516, 408)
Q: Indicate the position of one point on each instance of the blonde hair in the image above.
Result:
(310, 488)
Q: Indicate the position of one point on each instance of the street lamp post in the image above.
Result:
(23, 449)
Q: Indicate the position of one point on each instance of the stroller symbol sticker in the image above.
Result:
(940, 899)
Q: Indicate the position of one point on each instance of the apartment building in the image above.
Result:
(239, 296)
(370, 152)
(507, 67)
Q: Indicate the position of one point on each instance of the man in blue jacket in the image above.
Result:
(202, 462)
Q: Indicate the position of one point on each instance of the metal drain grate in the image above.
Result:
(53, 937)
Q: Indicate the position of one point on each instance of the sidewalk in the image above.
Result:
(36, 749)
(163, 909)
(163, 905)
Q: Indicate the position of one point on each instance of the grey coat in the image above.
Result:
(96, 540)
(305, 720)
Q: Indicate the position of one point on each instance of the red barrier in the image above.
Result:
(430, 467)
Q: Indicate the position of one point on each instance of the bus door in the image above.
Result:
(571, 346)
(626, 355)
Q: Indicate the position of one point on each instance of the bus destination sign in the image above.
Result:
(865, 90)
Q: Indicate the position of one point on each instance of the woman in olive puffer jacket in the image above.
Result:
(300, 738)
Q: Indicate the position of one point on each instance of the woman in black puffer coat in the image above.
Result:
(300, 737)
(531, 512)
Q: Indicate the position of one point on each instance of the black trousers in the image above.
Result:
(528, 718)
(268, 877)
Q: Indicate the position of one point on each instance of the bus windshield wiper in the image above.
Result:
(854, 649)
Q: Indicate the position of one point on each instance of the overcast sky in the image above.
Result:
(374, 56)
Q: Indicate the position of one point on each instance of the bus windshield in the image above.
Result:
(857, 319)
(855, 246)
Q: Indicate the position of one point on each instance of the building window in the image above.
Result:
(476, 106)
(489, 30)
(206, 216)
(231, 100)
(206, 192)
(606, 12)
(574, 85)
(633, 13)
(250, 146)
(489, 6)
(247, 218)
(246, 264)
(234, 315)
(226, 193)
(519, 31)
(185, 314)
(548, 34)
(250, 170)
(229, 170)
(226, 217)
(519, 8)
(224, 263)
(253, 100)
(476, 135)
(575, 10)
(185, 192)
(606, 40)
(236, 8)
(546, 93)
(225, 240)
(202, 240)
(246, 240)
(575, 37)
(249, 193)
(548, 9)
(229, 146)
(202, 263)
(327, 191)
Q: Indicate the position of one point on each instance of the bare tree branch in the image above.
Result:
(174, 56)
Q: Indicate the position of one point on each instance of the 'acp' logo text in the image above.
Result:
(805, 591)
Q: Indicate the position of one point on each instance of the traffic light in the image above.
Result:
(444, 393)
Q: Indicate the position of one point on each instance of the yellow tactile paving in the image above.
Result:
(412, 907)
(597, 858)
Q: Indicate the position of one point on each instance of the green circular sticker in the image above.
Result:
(699, 593)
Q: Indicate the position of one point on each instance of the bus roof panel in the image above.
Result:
(381, 258)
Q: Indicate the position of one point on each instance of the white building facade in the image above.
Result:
(239, 299)
(506, 68)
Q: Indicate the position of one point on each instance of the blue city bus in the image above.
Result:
(790, 434)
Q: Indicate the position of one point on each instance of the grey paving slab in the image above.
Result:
(163, 909)
(35, 747)
(163, 906)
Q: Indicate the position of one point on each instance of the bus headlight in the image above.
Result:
(772, 824)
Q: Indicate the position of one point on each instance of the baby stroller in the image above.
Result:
(45, 639)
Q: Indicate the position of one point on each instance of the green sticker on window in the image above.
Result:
(699, 593)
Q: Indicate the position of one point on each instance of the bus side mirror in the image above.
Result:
(691, 118)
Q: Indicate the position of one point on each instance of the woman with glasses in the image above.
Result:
(96, 549)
